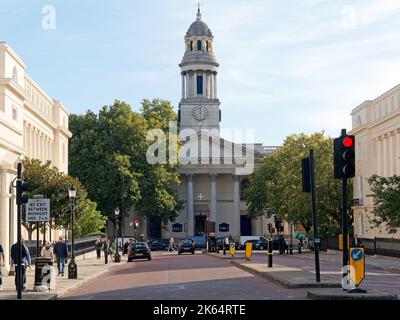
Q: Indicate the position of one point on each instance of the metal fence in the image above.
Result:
(374, 246)
(82, 246)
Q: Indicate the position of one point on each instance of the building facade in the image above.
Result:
(376, 126)
(32, 125)
(214, 171)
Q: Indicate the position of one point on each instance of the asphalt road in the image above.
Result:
(182, 277)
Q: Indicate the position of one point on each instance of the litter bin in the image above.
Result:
(43, 271)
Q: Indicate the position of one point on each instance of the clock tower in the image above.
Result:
(199, 107)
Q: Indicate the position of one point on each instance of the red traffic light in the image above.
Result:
(348, 142)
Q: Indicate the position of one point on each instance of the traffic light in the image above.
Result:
(22, 192)
(344, 156)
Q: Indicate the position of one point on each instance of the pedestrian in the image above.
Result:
(98, 246)
(2, 264)
(105, 250)
(142, 237)
(61, 252)
(47, 251)
(300, 244)
(171, 245)
(125, 250)
(18, 264)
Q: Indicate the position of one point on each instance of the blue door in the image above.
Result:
(245, 226)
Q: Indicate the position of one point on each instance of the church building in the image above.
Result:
(214, 171)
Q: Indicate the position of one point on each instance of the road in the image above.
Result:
(182, 277)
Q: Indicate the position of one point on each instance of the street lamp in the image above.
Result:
(72, 267)
(291, 237)
(117, 257)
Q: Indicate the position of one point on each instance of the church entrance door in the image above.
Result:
(200, 225)
(154, 228)
(245, 226)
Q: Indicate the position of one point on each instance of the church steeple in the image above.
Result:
(199, 106)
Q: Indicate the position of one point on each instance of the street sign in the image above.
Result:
(357, 262)
(38, 210)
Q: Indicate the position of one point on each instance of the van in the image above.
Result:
(243, 239)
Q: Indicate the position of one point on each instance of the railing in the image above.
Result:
(374, 246)
(82, 246)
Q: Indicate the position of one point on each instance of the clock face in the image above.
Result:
(200, 113)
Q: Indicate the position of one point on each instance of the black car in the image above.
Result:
(220, 243)
(199, 241)
(158, 244)
(139, 250)
(186, 245)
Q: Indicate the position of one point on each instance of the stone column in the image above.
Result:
(4, 213)
(392, 154)
(183, 86)
(398, 152)
(190, 213)
(212, 85)
(379, 156)
(213, 211)
(386, 162)
(236, 206)
(215, 86)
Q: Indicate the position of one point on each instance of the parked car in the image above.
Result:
(220, 243)
(158, 244)
(262, 244)
(186, 245)
(139, 250)
(199, 241)
(244, 239)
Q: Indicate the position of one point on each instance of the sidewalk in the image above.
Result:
(88, 268)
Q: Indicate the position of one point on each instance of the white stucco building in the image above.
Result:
(376, 126)
(214, 172)
(33, 125)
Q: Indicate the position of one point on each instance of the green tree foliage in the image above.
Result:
(108, 153)
(53, 184)
(386, 195)
(91, 221)
(276, 187)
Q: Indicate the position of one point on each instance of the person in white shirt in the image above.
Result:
(47, 251)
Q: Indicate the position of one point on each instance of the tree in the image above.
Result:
(108, 153)
(386, 195)
(91, 221)
(279, 177)
(52, 184)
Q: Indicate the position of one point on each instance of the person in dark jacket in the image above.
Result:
(105, 249)
(61, 253)
(17, 263)
(98, 246)
(126, 246)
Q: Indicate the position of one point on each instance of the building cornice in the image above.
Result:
(12, 54)
(39, 114)
(15, 87)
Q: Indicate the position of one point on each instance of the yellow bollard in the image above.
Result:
(232, 248)
(249, 250)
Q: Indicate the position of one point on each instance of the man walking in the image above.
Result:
(61, 252)
(20, 264)
(2, 264)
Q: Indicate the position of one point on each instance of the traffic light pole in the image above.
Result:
(19, 234)
(344, 227)
(314, 218)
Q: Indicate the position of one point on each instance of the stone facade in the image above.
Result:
(214, 172)
(31, 125)
(376, 126)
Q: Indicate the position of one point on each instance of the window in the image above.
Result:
(14, 114)
(207, 45)
(198, 45)
(199, 84)
(243, 187)
(191, 45)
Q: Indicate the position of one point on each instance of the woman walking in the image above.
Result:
(97, 246)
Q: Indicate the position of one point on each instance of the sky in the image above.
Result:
(287, 66)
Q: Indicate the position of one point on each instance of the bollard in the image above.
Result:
(299, 248)
(270, 252)
(224, 250)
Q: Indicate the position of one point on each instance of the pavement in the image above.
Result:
(89, 268)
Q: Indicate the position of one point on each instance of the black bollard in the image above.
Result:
(270, 252)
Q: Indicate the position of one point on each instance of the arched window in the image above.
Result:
(207, 45)
(191, 45)
(15, 74)
(198, 45)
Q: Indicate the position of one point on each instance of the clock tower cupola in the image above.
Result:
(199, 107)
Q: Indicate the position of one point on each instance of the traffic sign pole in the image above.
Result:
(344, 228)
(314, 217)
